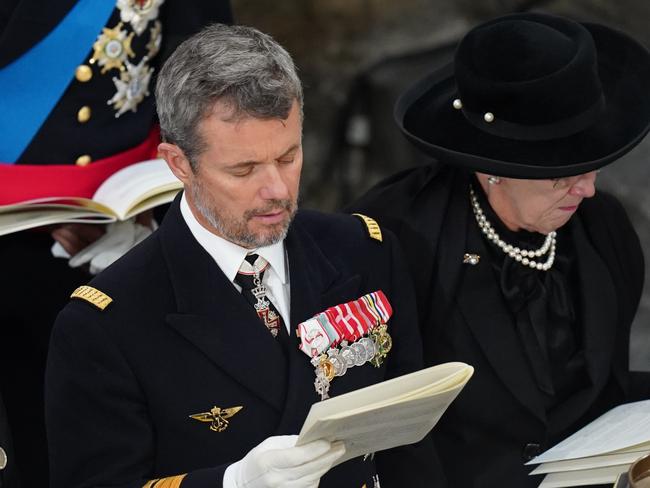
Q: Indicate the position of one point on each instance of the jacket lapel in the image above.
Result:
(483, 308)
(598, 308)
(315, 285)
(216, 319)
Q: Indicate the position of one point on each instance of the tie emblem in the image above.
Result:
(249, 278)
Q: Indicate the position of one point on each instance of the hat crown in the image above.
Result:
(536, 74)
(526, 51)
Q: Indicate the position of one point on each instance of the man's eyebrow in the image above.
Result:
(290, 150)
(241, 164)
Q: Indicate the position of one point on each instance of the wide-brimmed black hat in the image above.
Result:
(532, 96)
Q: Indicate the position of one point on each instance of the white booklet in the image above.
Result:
(600, 451)
(393, 413)
(127, 192)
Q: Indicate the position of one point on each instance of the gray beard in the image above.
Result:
(236, 231)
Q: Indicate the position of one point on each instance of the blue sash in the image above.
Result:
(32, 85)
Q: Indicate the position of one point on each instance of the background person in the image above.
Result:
(85, 53)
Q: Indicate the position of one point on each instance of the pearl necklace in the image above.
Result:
(522, 256)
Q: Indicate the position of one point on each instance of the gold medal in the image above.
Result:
(383, 342)
(112, 48)
(324, 375)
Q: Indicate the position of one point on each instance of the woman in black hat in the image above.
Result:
(520, 268)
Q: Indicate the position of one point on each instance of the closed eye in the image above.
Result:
(242, 170)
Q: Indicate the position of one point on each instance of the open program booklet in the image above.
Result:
(599, 452)
(125, 193)
(393, 413)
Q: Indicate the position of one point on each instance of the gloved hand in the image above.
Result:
(118, 239)
(277, 462)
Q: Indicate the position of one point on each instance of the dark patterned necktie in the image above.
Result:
(249, 277)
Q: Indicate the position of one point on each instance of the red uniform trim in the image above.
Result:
(20, 182)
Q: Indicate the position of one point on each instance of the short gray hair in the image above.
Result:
(236, 65)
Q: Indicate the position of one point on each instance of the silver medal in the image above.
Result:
(340, 366)
(369, 346)
(360, 354)
(348, 355)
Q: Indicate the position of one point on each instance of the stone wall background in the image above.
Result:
(355, 56)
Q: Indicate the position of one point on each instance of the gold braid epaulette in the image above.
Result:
(372, 226)
(171, 482)
(92, 295)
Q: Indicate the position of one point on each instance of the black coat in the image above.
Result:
(499, 421)
(179, 339)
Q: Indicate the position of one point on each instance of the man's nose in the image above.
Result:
(274, 187)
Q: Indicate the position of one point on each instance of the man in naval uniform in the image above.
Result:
(169, 369)
(76, 106)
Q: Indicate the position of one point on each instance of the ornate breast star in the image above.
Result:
(138, 12)
(111, 48)
(132, 86)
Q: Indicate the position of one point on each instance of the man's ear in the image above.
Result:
(176, 160)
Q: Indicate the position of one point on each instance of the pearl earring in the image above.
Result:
(494, 180)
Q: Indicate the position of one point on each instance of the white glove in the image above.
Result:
(277, 462)
(118, 239)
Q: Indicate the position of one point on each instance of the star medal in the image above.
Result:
(138, 12)
(112, 48)
(132, 86)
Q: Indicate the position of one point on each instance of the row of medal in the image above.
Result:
(346, 335)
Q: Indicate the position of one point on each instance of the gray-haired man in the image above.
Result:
(169, 370)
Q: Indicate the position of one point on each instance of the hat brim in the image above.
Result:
(426, 116)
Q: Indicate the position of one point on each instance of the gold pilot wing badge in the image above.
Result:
(218, 417)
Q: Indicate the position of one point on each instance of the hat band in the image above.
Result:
(556, 130)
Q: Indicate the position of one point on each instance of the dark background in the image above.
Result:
(355, 56)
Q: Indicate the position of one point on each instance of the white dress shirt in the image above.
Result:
(229, 257)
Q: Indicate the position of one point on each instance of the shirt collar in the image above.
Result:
(228, 255)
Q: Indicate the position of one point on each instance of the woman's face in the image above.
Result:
(538, 205)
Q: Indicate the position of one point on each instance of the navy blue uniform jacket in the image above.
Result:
(178, 339)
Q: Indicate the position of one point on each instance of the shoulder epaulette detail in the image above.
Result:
(371, 224)
(92, 295)
(171, 482)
